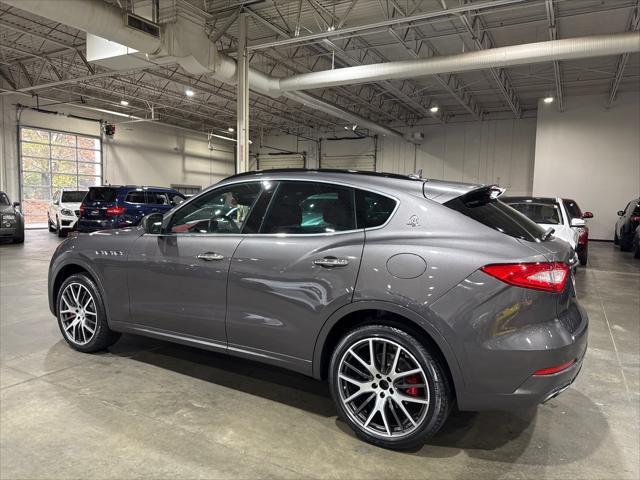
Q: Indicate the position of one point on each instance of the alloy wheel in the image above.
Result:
(383, 388)
(78, 314)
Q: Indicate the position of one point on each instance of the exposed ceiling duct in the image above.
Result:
(183, 42)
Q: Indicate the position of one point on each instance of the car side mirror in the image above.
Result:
(578, 222)
(16, 204)
(152, 223)
(587, 215)
(620, 213)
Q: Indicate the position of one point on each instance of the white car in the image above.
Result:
(64, 210)
(549, 212)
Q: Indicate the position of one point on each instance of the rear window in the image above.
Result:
(73, 196)
(4, 200)
(101, 194)
(372, 209)
(546, 213)
(495, 214)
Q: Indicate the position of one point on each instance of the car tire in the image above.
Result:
(52, 227)
(19, 238)
(583, 256)
(616, 240)
(389, 412)
(59, 231)
(626, 243)
(636, 252)
(79, 309)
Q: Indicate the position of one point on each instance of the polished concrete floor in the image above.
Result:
(151, 409)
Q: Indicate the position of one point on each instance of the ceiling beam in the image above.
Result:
(632, 25)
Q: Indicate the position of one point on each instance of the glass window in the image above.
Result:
(102, 194)
(495, 214)
(572, 208)
(158, 198)
(4, 200)
(223, 210)
(136, 196)
(545, 213)
(373, 209)
(50, 160)
(75, 196)
(308, 207)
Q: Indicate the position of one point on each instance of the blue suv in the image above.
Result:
(114, 206)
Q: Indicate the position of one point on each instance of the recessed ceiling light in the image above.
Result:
(189, 93)
(548, 100)
(124, 103)
(231, 129)
(434, 109)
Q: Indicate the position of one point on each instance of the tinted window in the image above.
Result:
(495, 214)
(548, 213)
(135, 197)
(307, 207)
(158, 198)
(73, 196)
(101, 194)
(373, 209)
(4, 200)
(572, 208)
(223, 210)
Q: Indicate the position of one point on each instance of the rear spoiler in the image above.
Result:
(482, 195)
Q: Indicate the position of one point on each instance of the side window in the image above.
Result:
(373, 209)
(309, 207)
(135, 196)
(223, 210)
(157, 198)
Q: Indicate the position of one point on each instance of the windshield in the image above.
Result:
(4, 200)
(544, 213)
(73, 196)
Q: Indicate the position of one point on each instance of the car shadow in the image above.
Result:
(504, 437)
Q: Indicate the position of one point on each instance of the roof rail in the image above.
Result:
(328, 170)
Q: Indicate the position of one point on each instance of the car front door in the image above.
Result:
(285, 281)
(178, 279)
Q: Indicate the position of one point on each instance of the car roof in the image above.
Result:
(137, 187)
(549, 200)
(438, 190)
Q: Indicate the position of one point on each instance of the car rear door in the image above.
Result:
(285, 281)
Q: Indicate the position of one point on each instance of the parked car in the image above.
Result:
(113, 206)
(11, 220)
(626, 225)
(409, 296)
(574, 211)
(64, 210)
(549, 213)
(636, 243)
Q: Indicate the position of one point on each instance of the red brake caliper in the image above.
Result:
(412, 391)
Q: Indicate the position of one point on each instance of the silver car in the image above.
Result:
(408, 295)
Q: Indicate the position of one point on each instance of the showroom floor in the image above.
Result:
(152, 409)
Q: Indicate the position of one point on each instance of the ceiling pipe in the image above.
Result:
(566, 49)
(180, 42)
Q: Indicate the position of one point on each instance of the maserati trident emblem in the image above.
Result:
(414, 221)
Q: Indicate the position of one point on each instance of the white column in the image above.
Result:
(242, 130)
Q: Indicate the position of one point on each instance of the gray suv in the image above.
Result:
(408, 295)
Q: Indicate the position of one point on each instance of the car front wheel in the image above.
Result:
(388, 387)
(81, 315)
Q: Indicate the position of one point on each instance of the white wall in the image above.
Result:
(495, 151)
(590, 154)
(139, 153)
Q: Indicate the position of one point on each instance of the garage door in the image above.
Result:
(270, 161)
(352, 154)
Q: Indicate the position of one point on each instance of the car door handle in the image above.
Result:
(210, 256)
(330, 262)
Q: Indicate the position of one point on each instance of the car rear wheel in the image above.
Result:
(59, 231)
(388, 387)
(81, 315)
(52, 227)
(636, 252)
(626, 243)
(19, 238)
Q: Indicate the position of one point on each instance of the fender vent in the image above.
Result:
(143, 25)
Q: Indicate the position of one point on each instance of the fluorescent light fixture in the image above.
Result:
(548, 100)
(189, 93)
(434, 109)
(231, 129)
(124, 103)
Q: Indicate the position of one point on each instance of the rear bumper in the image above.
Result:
(89, 225)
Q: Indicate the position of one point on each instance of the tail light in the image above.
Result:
(635, 218)
(584, 235)
(115, 211)
(81, 210)
(556, 369)
(545, 276)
